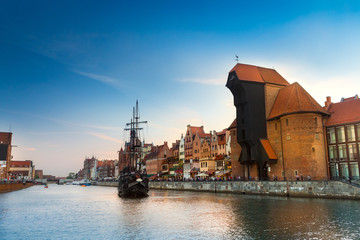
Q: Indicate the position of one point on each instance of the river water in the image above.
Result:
(74, 212)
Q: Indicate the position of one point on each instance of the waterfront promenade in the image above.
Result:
(311, 189)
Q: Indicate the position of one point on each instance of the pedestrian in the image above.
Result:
(308, 178)
(297, 177)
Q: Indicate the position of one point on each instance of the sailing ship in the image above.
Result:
(133, 180)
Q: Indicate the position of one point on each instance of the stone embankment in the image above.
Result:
(9, 187)
(317, 189)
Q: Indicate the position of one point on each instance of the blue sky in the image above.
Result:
(70, 71)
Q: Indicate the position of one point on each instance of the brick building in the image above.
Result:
(343, 137)
(5, 154)
(22, 170)
(39, 174)
(279, 126)
(106, 169)
(156, 160)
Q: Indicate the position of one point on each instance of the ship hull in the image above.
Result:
(133, 186)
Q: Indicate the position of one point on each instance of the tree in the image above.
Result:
(71, 176)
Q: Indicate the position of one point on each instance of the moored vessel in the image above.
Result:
(133, 180)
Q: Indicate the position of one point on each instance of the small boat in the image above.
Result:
(46, 186)
(85, 182)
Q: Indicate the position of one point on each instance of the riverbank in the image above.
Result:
(9, 187)
(309, 189)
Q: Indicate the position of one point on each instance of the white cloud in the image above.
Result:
(31, 149)
(105, 137)
(100, 78)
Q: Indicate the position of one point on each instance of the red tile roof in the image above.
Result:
(252, 73)
(344, 112)
(199, 130)
(268, 149)
(294, 99)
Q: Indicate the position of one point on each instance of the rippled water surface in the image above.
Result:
(73, 212)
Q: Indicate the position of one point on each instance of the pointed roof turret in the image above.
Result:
(294, 99)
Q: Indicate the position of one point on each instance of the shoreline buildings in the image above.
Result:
(280, 133)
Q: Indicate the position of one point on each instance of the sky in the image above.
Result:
(71, 71)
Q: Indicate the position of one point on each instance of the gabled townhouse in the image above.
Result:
(192, 163)
(207, 163)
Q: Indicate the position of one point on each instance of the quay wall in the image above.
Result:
(9, 187)
(317, 189)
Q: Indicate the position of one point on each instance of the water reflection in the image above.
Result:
(67, 212)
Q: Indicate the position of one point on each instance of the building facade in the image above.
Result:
(279, 126)
(22, 170)
(5, 154)
(343, 138)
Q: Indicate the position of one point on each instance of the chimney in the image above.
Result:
(328, 102)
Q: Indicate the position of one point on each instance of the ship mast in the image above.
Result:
(135, 143)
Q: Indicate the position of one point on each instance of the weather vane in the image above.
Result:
(236, 58)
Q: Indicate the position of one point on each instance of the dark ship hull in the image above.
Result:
(133, 185)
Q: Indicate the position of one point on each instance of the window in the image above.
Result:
(287, 122)
(342, 152)
(313, 149)
(344, 169)
(331, 135)
(296, 172)
(317, 136)
(332, 153)
(350, 133)
(358, 132)
(288, 137)
(340, 134)
(316, 121)
(275, 126)
(352, 151)
(354, 168)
